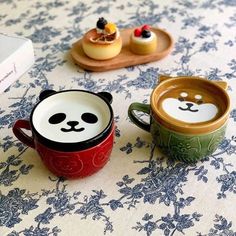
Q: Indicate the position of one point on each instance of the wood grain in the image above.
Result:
(126, 57)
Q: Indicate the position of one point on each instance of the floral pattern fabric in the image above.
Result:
(139, 191)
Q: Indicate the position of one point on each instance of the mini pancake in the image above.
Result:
(100, 50)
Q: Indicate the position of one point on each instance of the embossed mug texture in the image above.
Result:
(72, 130)
(188, 116)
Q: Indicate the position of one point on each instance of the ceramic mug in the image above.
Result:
(188, 116)
(72, 130)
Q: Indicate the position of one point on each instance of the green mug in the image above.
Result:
(188, 116)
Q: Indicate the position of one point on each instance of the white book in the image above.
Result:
(16, 57)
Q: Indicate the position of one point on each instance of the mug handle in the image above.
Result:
(145, 108)
(19, 133)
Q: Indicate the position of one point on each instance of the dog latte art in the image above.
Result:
(190, 108)
(188, 116)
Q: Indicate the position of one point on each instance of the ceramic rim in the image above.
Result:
(183, 127)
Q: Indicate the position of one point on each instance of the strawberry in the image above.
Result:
(137, 32)
(145, 27)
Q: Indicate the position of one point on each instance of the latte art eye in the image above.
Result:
(199, 102)
(57, 118)
(198, 97)
(181, 99)
(89, 118)
(184, 94)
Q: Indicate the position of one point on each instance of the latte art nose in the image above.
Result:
(188, 108)
(72, 123)
(72, 128)
(189, 104)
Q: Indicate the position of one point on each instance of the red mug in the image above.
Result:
(72, 131)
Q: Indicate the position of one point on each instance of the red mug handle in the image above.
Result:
(19, 133)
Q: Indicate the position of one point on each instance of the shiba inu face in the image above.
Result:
(190, 106)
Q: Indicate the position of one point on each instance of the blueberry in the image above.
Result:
(146, 33)
(101, 23)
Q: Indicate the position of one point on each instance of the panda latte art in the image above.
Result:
(189, 108)
(71, 117)
(73, 125)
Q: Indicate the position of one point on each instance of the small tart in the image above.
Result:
(101, 46)
(143, 46)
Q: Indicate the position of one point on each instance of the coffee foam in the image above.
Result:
(188, 105)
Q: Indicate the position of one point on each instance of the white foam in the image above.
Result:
(198, 113)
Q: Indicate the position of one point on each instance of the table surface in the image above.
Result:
(136, 193)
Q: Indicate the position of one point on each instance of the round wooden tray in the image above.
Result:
(126, 57)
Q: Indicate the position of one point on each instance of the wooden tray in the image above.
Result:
(126, 57)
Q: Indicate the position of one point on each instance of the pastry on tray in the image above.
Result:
(103, 42)
(143, 41)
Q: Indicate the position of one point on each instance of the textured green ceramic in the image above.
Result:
(178, 146)
(188, 148)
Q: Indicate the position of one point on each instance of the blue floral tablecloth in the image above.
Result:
(139, 192)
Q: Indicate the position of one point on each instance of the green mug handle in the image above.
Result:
(145, 108)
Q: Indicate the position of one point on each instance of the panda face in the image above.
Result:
(71, 117)
(73, 124)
